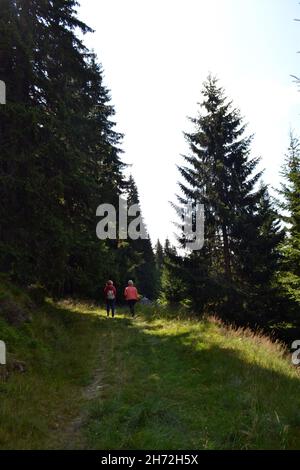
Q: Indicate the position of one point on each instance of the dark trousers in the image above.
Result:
(110, 305)
(131, 304)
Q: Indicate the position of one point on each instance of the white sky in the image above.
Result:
(156, 54)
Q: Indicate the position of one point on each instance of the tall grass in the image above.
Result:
(158, 381)
(179, 383)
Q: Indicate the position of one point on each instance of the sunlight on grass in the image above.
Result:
(212, 388)
(164, 381)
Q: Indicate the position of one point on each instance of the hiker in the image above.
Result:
(131, 295)
(110, 293)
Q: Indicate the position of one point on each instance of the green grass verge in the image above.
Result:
(163, 382)
(59, 348)
(175, 384)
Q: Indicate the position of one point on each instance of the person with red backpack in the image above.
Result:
(110, 294)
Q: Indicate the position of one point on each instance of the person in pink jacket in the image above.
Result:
(131, 296)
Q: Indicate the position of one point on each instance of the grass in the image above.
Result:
(162, 381)
(178, 384)
(59, 348)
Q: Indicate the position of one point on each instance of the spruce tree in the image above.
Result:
(239, 253)
(159, 261)
(159, 255)
(290, 190)
(173, 275)
(145, 271)
(60, 155)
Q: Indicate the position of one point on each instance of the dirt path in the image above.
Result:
(73, 436)
(72, 432)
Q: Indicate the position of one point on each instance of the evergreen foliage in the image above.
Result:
(290, 275)
(233, 272)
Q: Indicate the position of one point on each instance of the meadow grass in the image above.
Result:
(172, 383)
(59, 348)
(162, 381)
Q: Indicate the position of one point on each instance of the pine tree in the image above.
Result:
(159, 262)
(145, 271)
(219, 172)
(239, 252)
(172, 277)
(60, 155)
(21, 181)
(290, 190)
(159, 255)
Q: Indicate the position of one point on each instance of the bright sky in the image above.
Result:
(156, 54)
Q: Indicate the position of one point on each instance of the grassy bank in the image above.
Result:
(153, 382)
(58, 349)
(170, 383)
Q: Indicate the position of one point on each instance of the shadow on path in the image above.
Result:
(169, 390)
